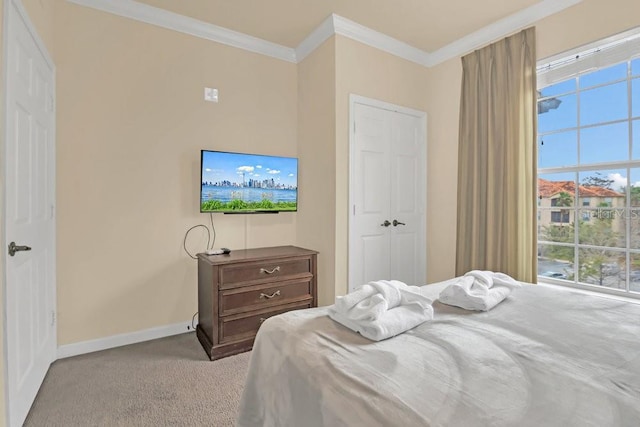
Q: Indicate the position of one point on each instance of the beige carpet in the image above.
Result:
(169, 381)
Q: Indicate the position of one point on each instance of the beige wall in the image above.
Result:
(442, 179)
(3, 412)
(586, 22)
(317, 152)
(363, 70)
(131, 123)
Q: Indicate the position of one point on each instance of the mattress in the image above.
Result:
(543, 357)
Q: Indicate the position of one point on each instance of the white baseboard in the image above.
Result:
(90, 346)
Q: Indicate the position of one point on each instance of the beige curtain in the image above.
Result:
(497, 159)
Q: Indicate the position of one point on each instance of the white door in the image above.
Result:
(387, 227)
(30, 332)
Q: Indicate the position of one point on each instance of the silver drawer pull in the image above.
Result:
(275, 294)
(264, 270)
(262, 319)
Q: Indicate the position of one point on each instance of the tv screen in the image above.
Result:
(247, 183)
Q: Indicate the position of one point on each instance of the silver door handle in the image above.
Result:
(397, 223)
(13, 248)
(386, 223)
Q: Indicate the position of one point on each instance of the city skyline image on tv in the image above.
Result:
(238, 182)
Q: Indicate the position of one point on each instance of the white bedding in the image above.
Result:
(543, 357)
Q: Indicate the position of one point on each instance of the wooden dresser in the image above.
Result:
(240, 290)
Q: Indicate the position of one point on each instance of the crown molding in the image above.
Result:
(318, 36)
(499, 29)
(362, 34)
(334, 24)
(183, 24)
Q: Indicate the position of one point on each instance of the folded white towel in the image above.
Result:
(382, 309)
(478, 290)
(372, 300)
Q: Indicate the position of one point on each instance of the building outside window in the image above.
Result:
(589, 167)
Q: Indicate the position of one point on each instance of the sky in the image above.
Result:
(557, 143)
(221, 166)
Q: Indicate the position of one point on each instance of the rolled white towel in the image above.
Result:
(394, 322)
(478, 290)
(382, 309)
(391, 291)
(370, 301)
(358, 301)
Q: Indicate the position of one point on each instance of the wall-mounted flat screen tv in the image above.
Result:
(247, 183)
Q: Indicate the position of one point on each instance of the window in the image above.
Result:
(561, 217)
(589, 170)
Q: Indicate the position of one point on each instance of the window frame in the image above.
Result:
(623, 48)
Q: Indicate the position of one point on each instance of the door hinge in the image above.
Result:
(354, 127)
(53, 211)
(53, 318)
(52, 106)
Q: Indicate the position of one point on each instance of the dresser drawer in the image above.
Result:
(246, 325)
(231, 275)
(256, 297)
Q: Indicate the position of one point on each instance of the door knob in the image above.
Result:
(397, 223)
(386, 223)
(13, 248)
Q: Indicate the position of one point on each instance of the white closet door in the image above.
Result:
(388, 192)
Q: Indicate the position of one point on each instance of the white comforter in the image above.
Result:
(543, 357)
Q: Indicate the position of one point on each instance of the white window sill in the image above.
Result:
(561, 286)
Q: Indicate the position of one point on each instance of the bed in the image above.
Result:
(543, 357)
